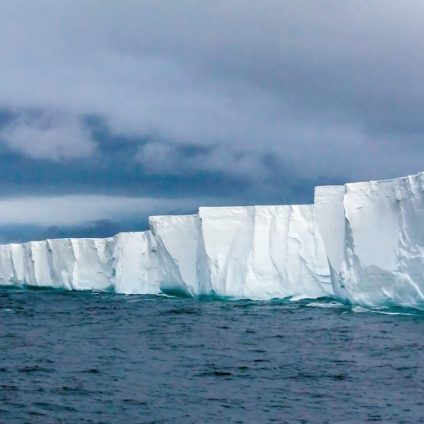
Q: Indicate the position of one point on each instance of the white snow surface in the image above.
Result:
(361, 243)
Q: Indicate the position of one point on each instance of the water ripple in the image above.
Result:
(85, 357)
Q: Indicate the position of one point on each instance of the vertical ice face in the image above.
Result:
(368, 236)
(288, 256)
(330, 217)
(265, 252)
(62, 257)
(126, 263)
(93, 264)
(80, 264)
(180, 253)
(384, 255)
(37, 264)
(227, 236)
(6, 265)
(374, 237)
(27, 263)
(135, 267)
(17, 255)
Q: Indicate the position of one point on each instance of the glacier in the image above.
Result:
(361, 243)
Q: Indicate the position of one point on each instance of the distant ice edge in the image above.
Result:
(361, 243)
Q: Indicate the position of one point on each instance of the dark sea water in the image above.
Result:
(77, 357)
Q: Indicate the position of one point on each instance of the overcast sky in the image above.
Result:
(112, 110)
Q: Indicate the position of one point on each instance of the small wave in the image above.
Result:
(388, 310)
(326, 304)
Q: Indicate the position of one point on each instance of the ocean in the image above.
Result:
(84, 357)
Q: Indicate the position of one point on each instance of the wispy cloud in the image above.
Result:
(50, 136)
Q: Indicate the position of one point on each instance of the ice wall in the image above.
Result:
(62, 263)
(265, 252)
(384, 257)
(361, 242)
(125, 263)
(79, 264)
(135, 264)
(330, 216)
(227, 233)
(257, 252)
(376, 248)
(180, 254)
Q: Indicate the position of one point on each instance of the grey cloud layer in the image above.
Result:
(48, 136)
(76, 209)
(39, 217)
(328, 88)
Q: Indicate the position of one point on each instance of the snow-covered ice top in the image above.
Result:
(361, 242)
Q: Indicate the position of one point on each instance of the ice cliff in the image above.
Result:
(374, 238)
(259, 252)
(126, 263)
(362, 243)
(179, 254)
(264, 252)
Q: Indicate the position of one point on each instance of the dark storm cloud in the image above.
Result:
(149, 167)
(236, 102)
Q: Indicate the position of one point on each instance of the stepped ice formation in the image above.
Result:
(361, 243)
(259, 252)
